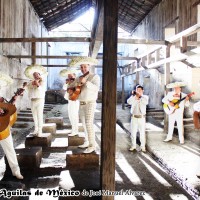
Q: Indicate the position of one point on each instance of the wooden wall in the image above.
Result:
(181, 12)
(18, 19)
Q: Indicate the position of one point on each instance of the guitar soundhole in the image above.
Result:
(3, 112)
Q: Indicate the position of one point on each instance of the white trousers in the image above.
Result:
(8, 148)
(87, 118)
(37, 107)
(178, 118)
(138, 124)
(73, 109)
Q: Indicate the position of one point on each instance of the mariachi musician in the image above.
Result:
(36, 93)
(177, 115)
(73, 106)
(7, 119)
(89, 84)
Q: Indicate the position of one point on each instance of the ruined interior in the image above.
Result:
(148, 42)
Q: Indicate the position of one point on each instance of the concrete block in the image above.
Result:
(44, 140)
(75, 140)
(57, 120)
(49, 128)
(75, 158)
(62, 133)
(29, 157)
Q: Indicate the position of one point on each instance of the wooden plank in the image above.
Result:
(185, 33)
(108, 140)
(45, 39)
(33, 52)
(183, 44)
(65, 57)
(141, 41)
(97, 32)
(167, 81)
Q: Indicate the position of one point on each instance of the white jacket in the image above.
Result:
(169, 97)
(35, 92)
(89, 91)
(138, 107)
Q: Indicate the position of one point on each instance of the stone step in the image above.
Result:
(79, 180)
(57, 120)
(22, 114)
(76, 140)
(25, 119)
(20, 125)
(29, 157)
(76, 159)
(49, 128)
(62, 133)
(45, 109)
(44, 140)
(68, 126)
(25, 111)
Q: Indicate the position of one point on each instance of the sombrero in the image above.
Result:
(35, 68)
(176, 84)
(5, 80)
(65, 72)
(82, 60)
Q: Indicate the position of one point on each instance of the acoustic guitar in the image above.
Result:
(9, 115)
(73, 96)
(171, 109)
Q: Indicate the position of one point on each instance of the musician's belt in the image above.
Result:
(35, 99)
(138, 116)
(86, 102)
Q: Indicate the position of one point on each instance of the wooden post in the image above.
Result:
(108, 130)
(33, 52)
(123, 94)
(167, 81)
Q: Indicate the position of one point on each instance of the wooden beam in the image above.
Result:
(183, 44)
(45, 39)
(167, 81)
(141, 41)
(64, 57)
(33, 52)
(185, 33)
(97, 32)
(108, 130)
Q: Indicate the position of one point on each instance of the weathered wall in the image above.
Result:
(178, 15)
(18, 19)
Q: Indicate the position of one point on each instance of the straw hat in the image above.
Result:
(82, 60)
(5, 80)
(65, 72)
(176, 84)
(35, 68)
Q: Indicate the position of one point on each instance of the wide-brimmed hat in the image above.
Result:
(82, 60)
(65, 72)
(35, 68)
(5, 80)
(176, 84)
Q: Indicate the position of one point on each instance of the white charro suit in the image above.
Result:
(176, 116)
(87, 98)
(73, 109)
(37, 95)
(138, 118)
